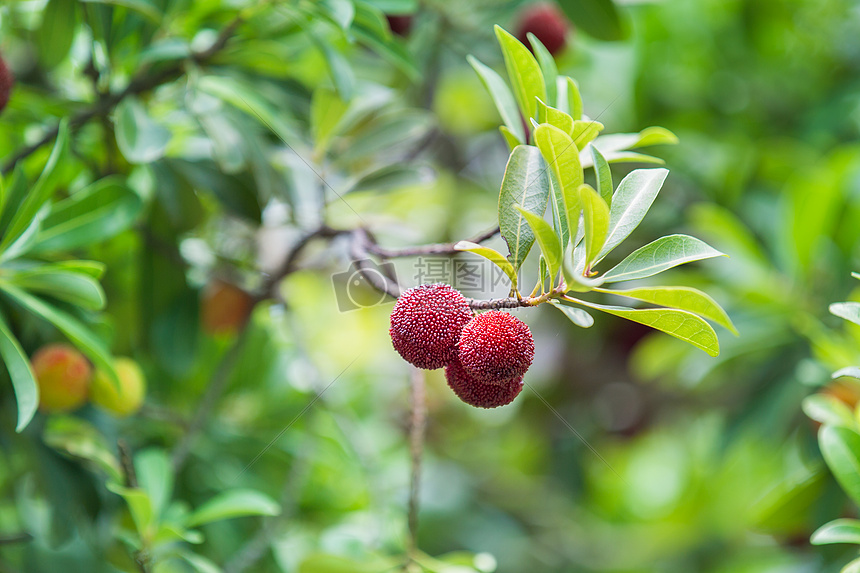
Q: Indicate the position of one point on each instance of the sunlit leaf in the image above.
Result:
(660, 255)
(682, 298)
(847, 310)
(23, 380)
(548, 240)
(502, 97)
(840, 447)
(523, 72)
(596, 219)
(576, 315)
(630, 203)
(492, 255)
(525, 184)
(828, 410)
(233, 503)
(547, 67)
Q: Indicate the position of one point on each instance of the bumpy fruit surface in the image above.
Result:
(128, 397)
(426, 324)
(495, 347)
(7, 80)
(63, 375)
(225, 307)
(545, 21)
(479, 394)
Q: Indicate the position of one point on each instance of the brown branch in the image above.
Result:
(289, 264)
(417, 425)
(142, 83)
(436, 249)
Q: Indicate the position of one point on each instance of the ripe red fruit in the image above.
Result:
(479, 394)
(7, 80)
(400, 25)
(545, 21)
(63, 375)
(495, 347)
(225, 307)
(426, 324)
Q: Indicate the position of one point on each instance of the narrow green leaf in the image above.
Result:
(41, 191)
(851, 567)
(327, 109)
(544, 272)
(139, 138)
(850, 371)
(603, 174)
(74, 330)
(550, 244)
(660, 255)
(848, 310)
(199, 563)
(492, 255)
(828, 410)
(681, 324)
(547, 67)
(57, 32)
(856, 275)
(233, 503)
(523, 71)
(13, 197)
(576, 315)
(78, 438)
(560, 153)
(555, 117)
(630, 203)
(155, 475)
(682, 298)
(23, 380)
(841, 447)
(96, 213)
(510, 139)
(596, 217)
(503, 98)
(525, 184)
(574, 99)
(139, 506)
(584, 132)
(77, 288)
(142, 7)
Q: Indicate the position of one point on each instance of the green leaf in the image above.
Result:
(597, 18)
(139, 138)
(79, 289)
(630, 203)
(339, 69)
(543, 272)
(682, 298)
(139, 506)
(79, 439)
(850, 371)
(492, 255)
(603, 175)
(74, 330)
(23, 380)
(584, 132)
(13, 197)
(391, 177)
(828, 410)
(371, 29)
(596, 216)
(852, 567)
(847, 310)
(96, 213)
(660, 255)
(233, 503)
(57, 32)
(327, 109)
(41, 191)
(547, 67)
(576, 315)
(510, 139)
(574, 99)
(523, 71)
(199, 563)
(681, 324)
(560, 153)
(550, 244)
(552, 116)
(840, 447)
(155, 476)
(525, 184)
(142, 7)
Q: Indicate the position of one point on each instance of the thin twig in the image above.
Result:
(417, 424)
(436, 249)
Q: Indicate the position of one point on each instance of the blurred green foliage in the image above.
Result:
(210, 167)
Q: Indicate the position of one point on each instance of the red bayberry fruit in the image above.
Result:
(479, 394)
(426, 324)
(400, 25)
(545, 21)
(7, 80)
(496, 346)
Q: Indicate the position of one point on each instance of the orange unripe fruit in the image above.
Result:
(63, 375)
(226, 307)
(127, 398)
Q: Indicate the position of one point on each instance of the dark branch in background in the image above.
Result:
(437, 249)
(143, 82)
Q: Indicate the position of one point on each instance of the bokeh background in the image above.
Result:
(704, 464)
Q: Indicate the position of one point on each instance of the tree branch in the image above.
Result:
(143, 82)
(436, 249)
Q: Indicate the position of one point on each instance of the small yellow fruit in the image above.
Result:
(63, 375)
(126, 399)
